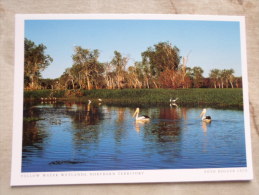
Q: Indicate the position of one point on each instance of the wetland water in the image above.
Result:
(81, 137)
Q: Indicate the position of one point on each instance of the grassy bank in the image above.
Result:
(187, 97)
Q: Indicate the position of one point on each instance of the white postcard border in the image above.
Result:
(19, 178)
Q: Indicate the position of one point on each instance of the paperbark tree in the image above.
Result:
(215, 76)
(119, 63)
(35, 61)
(161, 57)
(89, 68)
(197, 76)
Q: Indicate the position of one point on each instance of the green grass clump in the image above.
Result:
(186, 97)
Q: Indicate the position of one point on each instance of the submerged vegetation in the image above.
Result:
(141, 97)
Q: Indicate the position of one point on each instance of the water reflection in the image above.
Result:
(32, 134)
(140, 124)
(205, 126)
(173, 105)
(81, 113)
(104, 137)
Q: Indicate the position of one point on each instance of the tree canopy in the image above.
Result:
(162, 56)
(35, 61)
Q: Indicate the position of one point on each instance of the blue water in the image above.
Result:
(80, 137)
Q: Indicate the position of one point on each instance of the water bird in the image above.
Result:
(173, 101)
(140, 118)
(100, 100)
(204, 117)
(89, 106)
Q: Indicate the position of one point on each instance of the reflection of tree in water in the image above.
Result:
(164, 135)
(167, 131)
(85, 118)
(184, 113)
(169, 128)
(32, 134)
(121, 115)
(169, 113)
(83, 114)
(120, 131)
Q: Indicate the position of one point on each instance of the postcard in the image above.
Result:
(130, 98)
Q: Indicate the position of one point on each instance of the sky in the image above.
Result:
(208, 44)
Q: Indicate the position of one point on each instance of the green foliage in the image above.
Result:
(59, 93)
(161, 57)
(141, 97)
(86, 67)
(119, 62)
(187, 97)
(37, 94)
(35, 61)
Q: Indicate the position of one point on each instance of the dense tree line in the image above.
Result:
(161, 67)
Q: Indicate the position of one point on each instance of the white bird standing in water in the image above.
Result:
(88, 106)
(173, 101)
(204, 117)
(140, 118)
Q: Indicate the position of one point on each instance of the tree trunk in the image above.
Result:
(89, 87)
(231, 85)
(73, 85)
(155, 84)
(31, 85)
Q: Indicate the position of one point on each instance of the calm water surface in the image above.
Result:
(79, 137)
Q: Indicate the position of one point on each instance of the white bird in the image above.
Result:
(173, 101)
(100, 99)
(204, 117)
(88, 109)
(140, 118)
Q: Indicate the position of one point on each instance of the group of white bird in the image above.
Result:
(48, 99)
(203, 116)
(100, 100)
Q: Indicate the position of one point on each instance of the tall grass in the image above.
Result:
(187, 97)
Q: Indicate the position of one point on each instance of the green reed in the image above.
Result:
(186, 97)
